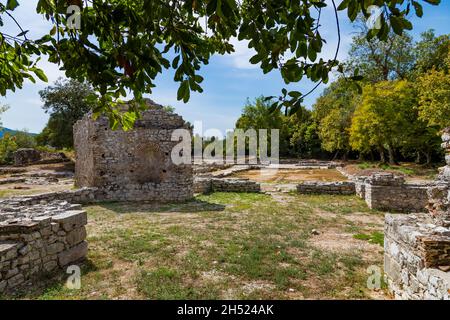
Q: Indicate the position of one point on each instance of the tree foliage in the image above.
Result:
(124, 45)
(333, 111)
(379, 60)
(66, 102)
(434, 98)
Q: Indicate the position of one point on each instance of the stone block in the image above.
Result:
(76, 236)
(73, 254)
(70, 220)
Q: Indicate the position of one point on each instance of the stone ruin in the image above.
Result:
(388, 192)
(29, 156)
(38, 239)
(41, 234)
(132, 165)
(417, 246)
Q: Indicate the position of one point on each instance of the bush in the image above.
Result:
(7, 147)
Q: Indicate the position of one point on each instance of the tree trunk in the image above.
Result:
(381, 152)
(418, 157)
(335, 155)
(345, 156)
(391, 153)
(428, 157)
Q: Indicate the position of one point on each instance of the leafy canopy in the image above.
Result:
(122, 45)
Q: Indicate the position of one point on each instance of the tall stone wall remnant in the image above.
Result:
(132, 165)
(417, 247)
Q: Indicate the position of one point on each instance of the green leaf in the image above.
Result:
(12, 4)
(396, 24)
(418, 8)
(40, 74)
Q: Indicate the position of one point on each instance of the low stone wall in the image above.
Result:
(36, 240)
(208, 184)
(387, 192)
(315, 187)
(415, 252)
(316, 164)
(82, 196)
(27, 156)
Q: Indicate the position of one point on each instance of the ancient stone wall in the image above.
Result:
(28, 156)
(317, 164)
(132, 165)
(415, 250)
(36, 240)
(417, 246)
(82, 196)
(336, 188)
(439, 193)
(387, 192)
(209, 184)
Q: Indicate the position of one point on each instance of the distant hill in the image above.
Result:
(12, 132)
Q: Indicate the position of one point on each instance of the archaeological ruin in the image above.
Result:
(41, 234)
(132, 165)
(417, 246)
(38, 239)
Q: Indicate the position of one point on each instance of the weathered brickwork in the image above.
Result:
(36, 240)
(209, 184)
(132, 165)
(82, 196)
(414, 249)
(439, 193)
(417, 246)
(317, 187)
(28, 156)
(387, 192)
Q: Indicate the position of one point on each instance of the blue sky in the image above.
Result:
(229, 80)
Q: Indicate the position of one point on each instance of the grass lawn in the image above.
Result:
(229, 246)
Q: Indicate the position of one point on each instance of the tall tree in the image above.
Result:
(434, 98)
(378, 60)
(432, 52)
(257, 115)
(66, 102)
(381, 119)
(333, 111)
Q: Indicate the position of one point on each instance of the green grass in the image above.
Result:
(375, 237)
(408, 169)
(220, 246)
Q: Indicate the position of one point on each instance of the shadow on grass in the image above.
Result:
(190, 206)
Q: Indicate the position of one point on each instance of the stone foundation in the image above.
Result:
(317, 164)
(37, 240)
(82, 196)
(415, 249)
(333, 188)
(387, 192)
(208, 185)
(28, 156)
(417, 246)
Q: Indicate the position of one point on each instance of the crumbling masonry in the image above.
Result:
(417, 246)
(38, 239)
(132, 165)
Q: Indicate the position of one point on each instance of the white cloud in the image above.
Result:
(239, 59)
